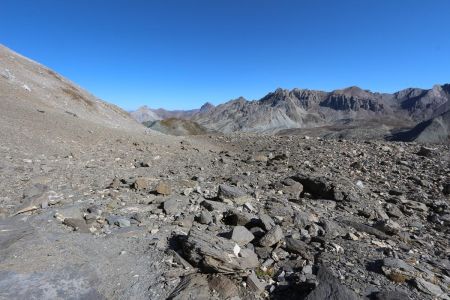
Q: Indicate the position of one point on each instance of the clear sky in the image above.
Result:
(182, 53)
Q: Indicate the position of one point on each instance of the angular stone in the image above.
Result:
(302, 219)
(224, 286)
(216, 254)
(255, 284)
(393, 211)
(174, 206)
(426, 151)
(266, 221)
(122, 222)
(38, 196)
(272, 237)
(115, 183)
(390, 295)
(292, 189)
(205, 218)
(319, 187)
(95, 209)
(186, 221)
(179, 260)
(250, 256)
(234, 194)
(235, 217)
(367, 229)
(332, 229)
(141, 183)
(279, 208)
(193, 286)
(415, 205)
(430, 288)
(397, 270)
(163, 188)
(388, 226)
(330, 288)
(77, 225)
(299, 247)
(261, 158)
(215, 206)
(241, 235)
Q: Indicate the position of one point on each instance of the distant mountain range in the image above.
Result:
(297, 109)
(146, 114)
(412, 114)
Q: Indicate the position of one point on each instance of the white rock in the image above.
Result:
(236, 249)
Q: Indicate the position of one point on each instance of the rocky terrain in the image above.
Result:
(434, 130)
(96, 209)
(174, 126)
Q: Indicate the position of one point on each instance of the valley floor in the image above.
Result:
(106, 214)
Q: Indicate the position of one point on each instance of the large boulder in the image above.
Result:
(330, 288)
(215, 254)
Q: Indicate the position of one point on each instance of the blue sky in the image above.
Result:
(180, 54)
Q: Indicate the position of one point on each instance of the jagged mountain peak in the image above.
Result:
(207, 106)
(143, 107)
(354, 91)
(303, 108)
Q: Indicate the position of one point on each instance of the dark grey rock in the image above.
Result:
(426, 151)
(241, 235)
(299, 247)
(272, 237)
(430, 288)
(319, 186)
(391, 295)
(446, 188)
(330, 288)
(192, 287)
(205, 218)
(389, 226)
(332, 229)
(367, 229)
(235, 217)
(266, 221)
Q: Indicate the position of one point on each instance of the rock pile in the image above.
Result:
(284, 218)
